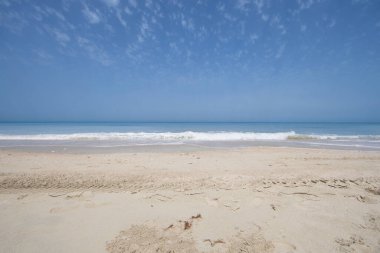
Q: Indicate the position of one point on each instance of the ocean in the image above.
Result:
(102, 135)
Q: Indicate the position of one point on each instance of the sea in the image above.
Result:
(363, 136)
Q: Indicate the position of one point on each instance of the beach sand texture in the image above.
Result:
(259, 199)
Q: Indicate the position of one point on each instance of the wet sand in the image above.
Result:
(258, 199)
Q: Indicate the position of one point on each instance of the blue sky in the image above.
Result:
(153, 60)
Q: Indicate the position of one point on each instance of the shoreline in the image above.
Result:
(89, 148)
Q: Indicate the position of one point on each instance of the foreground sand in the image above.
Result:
(230, 200)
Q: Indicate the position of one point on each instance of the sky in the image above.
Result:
(172, 60)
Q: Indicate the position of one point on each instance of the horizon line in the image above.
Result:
(182, 122)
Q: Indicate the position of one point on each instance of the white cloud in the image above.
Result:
(131, 52)
(173, 46)
(305, 4)
(331, 24)
(187, 23)
(13, 21)
(111, 3)
(46, 11)
(94, 51)
(280, 51)
(242, 28)
(92, 16)
(202, 33)
(55, 13)
(229, 17)
(176, 3)
(276, 22)
(253, 38)
(66, 4)
(148, 4)
(220, 7)
(133, 3)
(259, 5)
(42, 54)
(242, 5)
(61, 37)
(128, 11)
(359, 1)
(5, 3)
(144, 30)
(264, 17)
(120, 18)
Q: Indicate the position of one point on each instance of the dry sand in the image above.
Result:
(229, 200)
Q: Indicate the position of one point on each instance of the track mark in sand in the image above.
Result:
(54, 195)
(22, 196)
(63, 209)
(283, 246)
(131, 182)
(299, 193)
(214, 242)
(143, 238)
(353, 244)
(72, 195)
(363, 199)
(233, 205)
(159, 197)
(251, 243)
(372, 222)
(374, 190)
(178, 238)
(212, 202)
(194, 193)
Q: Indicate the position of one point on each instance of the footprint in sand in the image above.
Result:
(176, 238)
(365, 199)
(22, 196)
(282, 247)
(76, 195)
(63, 209)
(212, 201)
(373, 190)
(353, 244)
(144, 238)
(159, 197)
(232, 205)
(372, 222)
(251, 243)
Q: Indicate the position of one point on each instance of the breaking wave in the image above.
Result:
(186, 136)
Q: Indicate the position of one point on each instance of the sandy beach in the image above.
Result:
(257, 199)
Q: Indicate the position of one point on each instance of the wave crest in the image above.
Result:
(182, 136)
(189, 135)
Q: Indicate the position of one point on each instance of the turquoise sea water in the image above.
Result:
(340, 135)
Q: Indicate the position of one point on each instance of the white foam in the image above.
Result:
(341, 145)
(181, 136)
(166, 136)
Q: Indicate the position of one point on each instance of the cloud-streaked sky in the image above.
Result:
(172, 60)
